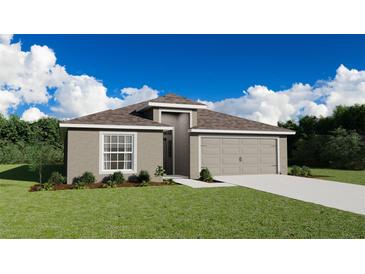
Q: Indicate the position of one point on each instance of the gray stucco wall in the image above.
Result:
(194, 153)
(83, 152)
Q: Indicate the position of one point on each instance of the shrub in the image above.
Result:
(205, 175)
(56, 178)
(144, 183)
(303, 171)
(295, 171)
(117, 177)
(160, 171)
(306, 172)
(87, 178)
(110, 183)
(144, 176)
(169, 182)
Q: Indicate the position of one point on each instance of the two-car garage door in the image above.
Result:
(233, 156)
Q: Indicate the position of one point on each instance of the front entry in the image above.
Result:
(167, 152)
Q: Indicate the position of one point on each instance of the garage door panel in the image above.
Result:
(230, 159)
(231, 170)
(210, 150)
(249, 141)
(253, 160)
(251, 169)
(211, 142)
(230, 150)
(268, 169)
(268, 142)
(231, 141)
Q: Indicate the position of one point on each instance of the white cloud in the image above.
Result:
(27, 77)
(82, 95)
(136, 95)
(268, 106)
(7, 100)
(5, 38)
(33, 114)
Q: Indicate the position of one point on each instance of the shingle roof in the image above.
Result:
(175, 99)
(120, 116)
(208, 119)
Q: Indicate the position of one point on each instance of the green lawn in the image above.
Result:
(346, 176)
(163, 212)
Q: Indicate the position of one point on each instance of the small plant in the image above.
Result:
(300, 171)
(144, 176)
(117, 178)
(169, 182)
(111, 183)
(160, 171)
(87, 178)
(144, 183)
(295, 171)
(47, 186)
(306, 172)
(205, 175)
(56, 178)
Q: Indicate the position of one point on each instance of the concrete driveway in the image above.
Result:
(348, 197)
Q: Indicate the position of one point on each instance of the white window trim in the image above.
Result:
(240, 137)
(101, 152)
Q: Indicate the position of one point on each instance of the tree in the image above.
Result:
(344, 149)
(41, 154)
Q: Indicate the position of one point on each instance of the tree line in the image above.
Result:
(21, 141)
(336, 141)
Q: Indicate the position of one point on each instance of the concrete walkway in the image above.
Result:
(200, 184)
(344, 196)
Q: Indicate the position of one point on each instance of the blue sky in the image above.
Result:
(207, 67)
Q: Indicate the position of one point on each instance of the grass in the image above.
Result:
(346, 176)
(163, 212)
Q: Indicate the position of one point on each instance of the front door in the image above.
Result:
(167, 152)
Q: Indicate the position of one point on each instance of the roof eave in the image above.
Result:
(227, 131)
(109, 126)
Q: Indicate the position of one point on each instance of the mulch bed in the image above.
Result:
(38, 187)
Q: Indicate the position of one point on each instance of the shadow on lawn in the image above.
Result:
(24, 173)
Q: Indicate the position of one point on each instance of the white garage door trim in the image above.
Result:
(238, 137)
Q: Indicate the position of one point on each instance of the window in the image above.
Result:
(118, 151)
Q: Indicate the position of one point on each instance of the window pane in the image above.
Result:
(128, 148)
(114, 139)
(114, 165)
(106, 139)
(121, 147)
(106, 148)
(120, 157)
(114, 157)
(121, 139)
(106, 165)
(120, 165)
(106, 157)
(128, 139)
(114, 147)
(128, 156)
(128, 165)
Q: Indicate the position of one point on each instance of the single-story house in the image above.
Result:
(179, 134)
